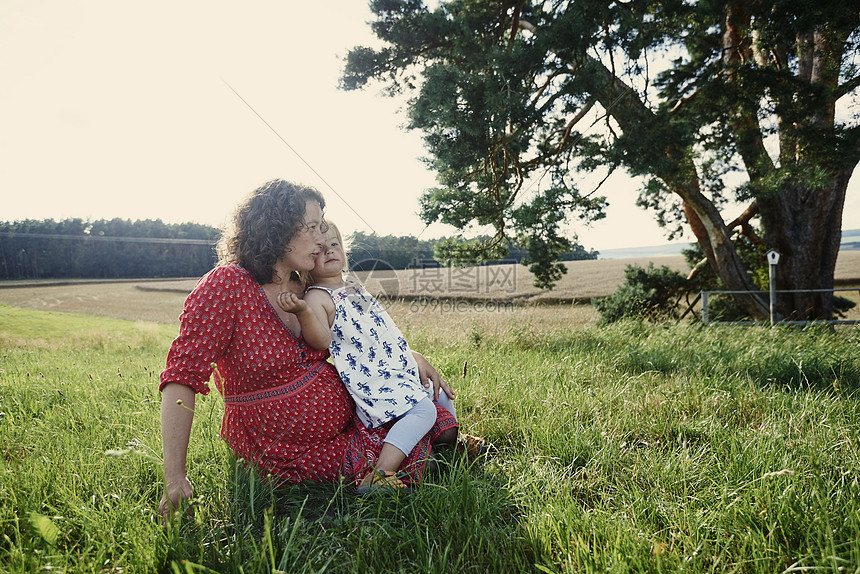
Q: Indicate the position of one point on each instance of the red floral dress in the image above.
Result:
(286, 410)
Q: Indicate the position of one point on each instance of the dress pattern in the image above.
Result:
(372, 357)
(286, 410)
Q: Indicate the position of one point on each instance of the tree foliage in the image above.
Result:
(706, 101)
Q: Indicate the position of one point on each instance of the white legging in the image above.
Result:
(409, 428)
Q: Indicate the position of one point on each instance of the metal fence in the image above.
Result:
(773, 292)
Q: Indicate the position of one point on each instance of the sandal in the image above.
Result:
(382, 480)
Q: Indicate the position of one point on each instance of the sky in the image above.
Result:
(176, 110)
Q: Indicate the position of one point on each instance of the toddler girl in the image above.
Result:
(370, 354)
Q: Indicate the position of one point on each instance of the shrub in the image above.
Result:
(649, 293)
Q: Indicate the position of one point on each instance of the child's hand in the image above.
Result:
(291, 303)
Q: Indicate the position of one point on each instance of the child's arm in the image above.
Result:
(315, 313)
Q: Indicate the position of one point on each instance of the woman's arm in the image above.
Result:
(430, 375)
(189, 367)
(177, 413)
(312, 315)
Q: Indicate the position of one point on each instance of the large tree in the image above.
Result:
(706, 100)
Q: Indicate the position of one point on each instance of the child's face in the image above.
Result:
(331, 260)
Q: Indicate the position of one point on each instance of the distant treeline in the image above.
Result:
(404, 252)
(121, 248)
(104, 249)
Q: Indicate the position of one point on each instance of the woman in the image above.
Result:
(286, 410)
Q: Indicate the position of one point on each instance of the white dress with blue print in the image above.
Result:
(372, 357)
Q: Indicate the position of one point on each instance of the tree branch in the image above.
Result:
(745, 123)
(545, 85)
(703, 216)
(573, 121)
(515, 21)
(744, 218)
(683, 101)
(626, 107)
(523, 25)
(854, 150)
(565, 138)
(697, 269)
(847, 87)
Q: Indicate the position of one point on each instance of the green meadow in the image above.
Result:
(614, 449)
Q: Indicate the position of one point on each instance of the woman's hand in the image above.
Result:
(175, 493)
(430, 375)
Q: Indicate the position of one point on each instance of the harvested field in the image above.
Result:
(481, 292)
(583, 280)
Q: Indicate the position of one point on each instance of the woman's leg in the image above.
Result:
(471, 444)
(447, 436)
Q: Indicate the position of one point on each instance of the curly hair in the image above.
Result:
(263, 225)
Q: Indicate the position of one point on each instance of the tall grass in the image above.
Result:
(629, 448)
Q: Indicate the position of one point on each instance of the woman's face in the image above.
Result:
(308, 240)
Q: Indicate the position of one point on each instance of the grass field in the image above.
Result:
(617, 449)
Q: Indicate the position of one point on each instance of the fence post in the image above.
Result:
(772, 260)
(705, 307)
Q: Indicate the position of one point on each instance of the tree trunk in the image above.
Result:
(714, 237)
(805, 226)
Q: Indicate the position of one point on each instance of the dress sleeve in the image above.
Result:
(206, 328)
